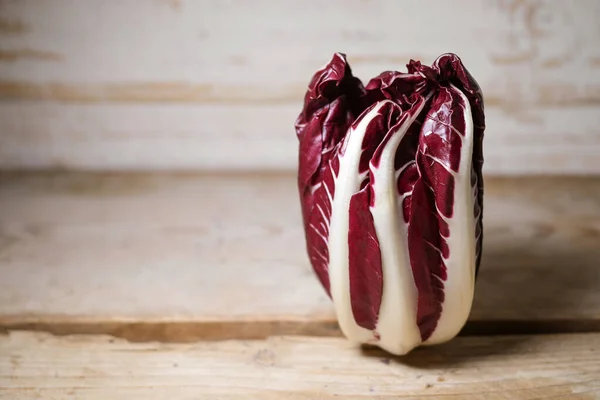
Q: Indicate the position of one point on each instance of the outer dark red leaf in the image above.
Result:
(438, 158)
(448, 68)
(333, 101)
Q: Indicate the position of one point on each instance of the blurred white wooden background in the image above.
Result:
(188, 85)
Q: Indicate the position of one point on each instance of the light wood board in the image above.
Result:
(175, 84)
(183, 257)
(34, 366)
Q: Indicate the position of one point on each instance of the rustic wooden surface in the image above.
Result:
(34, 366)
(183, 257)
(157, 84)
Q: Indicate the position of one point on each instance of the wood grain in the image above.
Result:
(135, 67)
(214, 43)
(492, 368)
(187, 257)
(236, 137)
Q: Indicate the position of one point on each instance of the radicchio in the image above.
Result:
(391, 191)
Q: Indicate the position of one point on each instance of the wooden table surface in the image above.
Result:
(195, 286)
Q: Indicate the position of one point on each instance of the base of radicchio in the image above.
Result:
(391, 191)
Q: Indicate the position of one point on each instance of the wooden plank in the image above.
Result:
(36, 366)
(235, 137)
(187, 257)
(537, 62)
(110, 50)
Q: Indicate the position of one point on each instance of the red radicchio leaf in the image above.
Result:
(333, 100)
(438, 158)
(448, 68)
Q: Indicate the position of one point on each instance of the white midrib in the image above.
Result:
(397, 324)
(346, 184)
